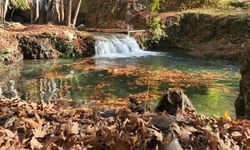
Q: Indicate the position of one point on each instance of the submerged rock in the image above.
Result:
(173, 101)
(242, 104)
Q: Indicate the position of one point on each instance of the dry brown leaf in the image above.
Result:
(6, 146)
(10, 122)
(2, 139)
(173, 145)
(158, 135)
(185, 136)
(74, 129)
(154, 132)
(90, 129)
(128, 127)
(10, 134)
(31, 122)
(237, 136)
(215, 141)
(135, 138)
(39, 120)
(40, 131)
(34, 144)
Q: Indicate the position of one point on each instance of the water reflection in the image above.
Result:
(64, 81)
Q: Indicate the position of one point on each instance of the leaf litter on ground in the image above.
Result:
(38, 125)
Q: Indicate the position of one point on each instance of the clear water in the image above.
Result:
(26, 80)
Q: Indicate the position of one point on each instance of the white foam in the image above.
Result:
(118, 46)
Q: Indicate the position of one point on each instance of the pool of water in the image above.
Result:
(57, 79)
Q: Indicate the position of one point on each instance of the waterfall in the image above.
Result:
(118, 45)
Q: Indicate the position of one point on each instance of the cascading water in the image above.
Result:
(118, 45)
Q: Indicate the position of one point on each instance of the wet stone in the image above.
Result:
(107, 113)
(160, 122)
(173, 101)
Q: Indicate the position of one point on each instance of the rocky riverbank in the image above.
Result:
(20, 42)
(204, 33)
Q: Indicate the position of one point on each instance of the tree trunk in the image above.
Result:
(76, 13)
(11, 15)
(42, 11)
(62, 11)
(32, 12)
(57, 12)
(37, 11)
(68, 15)
(49, 8)
(6, 4)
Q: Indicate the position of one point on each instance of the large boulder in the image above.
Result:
(77, 48)
(174, 101)
(37, 47)
(242, 104)
(50, 45)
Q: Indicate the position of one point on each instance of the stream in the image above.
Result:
(65, 79)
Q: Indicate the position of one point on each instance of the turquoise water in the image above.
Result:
(212, 98)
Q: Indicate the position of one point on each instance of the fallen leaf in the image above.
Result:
(34, 144)
(237, 136)
(40, 131)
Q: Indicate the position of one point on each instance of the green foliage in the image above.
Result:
(155, 5)
(224, 3)
(239, 4)
(156, 28)
(231, 3)
(178, 5)
(19, 4)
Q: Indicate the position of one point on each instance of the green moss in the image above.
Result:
(66, 48)
(63, 46)
(52, 38)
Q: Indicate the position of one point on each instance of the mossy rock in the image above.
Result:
(66, 48)
(37, 47)
(81, 47)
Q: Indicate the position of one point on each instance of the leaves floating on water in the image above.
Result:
(54, 75)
